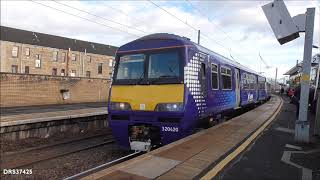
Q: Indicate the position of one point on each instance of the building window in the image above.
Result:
(100, 68)
(63, 72)
(226, 78)
(54, 71)
(88, 58)
(26, 69)
(15, 51)
(73, 57)
(110, 63)
(88, 74)
(55, 56)
(214, 76)
(14, 69)
(27, 51)
(73, 73)
(38, 56)
(64, 56)
(38, 63)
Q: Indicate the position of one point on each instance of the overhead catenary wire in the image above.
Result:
(121, 11)
(190, 26)
(201, 34)
(219, 27)
(110, 27)
(216, 25)
(99, 16)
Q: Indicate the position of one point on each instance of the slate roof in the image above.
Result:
(47, 40)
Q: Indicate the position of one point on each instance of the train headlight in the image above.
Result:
(119, 106)
(169, 107)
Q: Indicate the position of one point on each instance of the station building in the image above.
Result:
(295, 72)
(26, 52)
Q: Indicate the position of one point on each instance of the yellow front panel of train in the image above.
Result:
(146, 97)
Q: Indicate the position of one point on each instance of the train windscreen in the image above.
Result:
(149, 68)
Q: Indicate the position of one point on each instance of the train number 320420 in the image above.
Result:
(170, 129)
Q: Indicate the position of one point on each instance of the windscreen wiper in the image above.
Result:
(140, 78)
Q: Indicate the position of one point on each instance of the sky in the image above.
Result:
(236, 29)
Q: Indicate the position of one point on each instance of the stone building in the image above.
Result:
(26, 52)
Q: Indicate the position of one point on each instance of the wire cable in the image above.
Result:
(110, 27)
(216, 25)
(218, 43)
(172, 15)
(98, 16)
(120, 11)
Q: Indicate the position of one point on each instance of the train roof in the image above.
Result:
(175, 40)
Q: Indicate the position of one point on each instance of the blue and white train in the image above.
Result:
(164, 85)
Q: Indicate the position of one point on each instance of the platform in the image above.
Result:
(37, 114)
(275, 154)
(44, 121)
(203, 154)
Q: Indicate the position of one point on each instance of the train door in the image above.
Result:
(237, 88)
(203, 80)
(256, 86)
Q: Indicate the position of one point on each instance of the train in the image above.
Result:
(164, 85)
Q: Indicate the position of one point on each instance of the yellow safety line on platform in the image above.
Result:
(213, 172)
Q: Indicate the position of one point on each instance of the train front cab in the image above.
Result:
(146, 106)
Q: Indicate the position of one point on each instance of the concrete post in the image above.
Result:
(302, 125)
(317, 120)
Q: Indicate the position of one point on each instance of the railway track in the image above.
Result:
(130, 156)
(35, 155)
(106, 165)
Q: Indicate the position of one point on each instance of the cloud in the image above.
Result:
(238, 25)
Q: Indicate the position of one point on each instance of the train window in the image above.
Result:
(131, 67)
(252, 82)
(245, 81)
(226, 78)
(164, 65)
(261, 82)
(214, 76)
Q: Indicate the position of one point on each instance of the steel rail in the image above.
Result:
(108, 164)
(107, 141)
